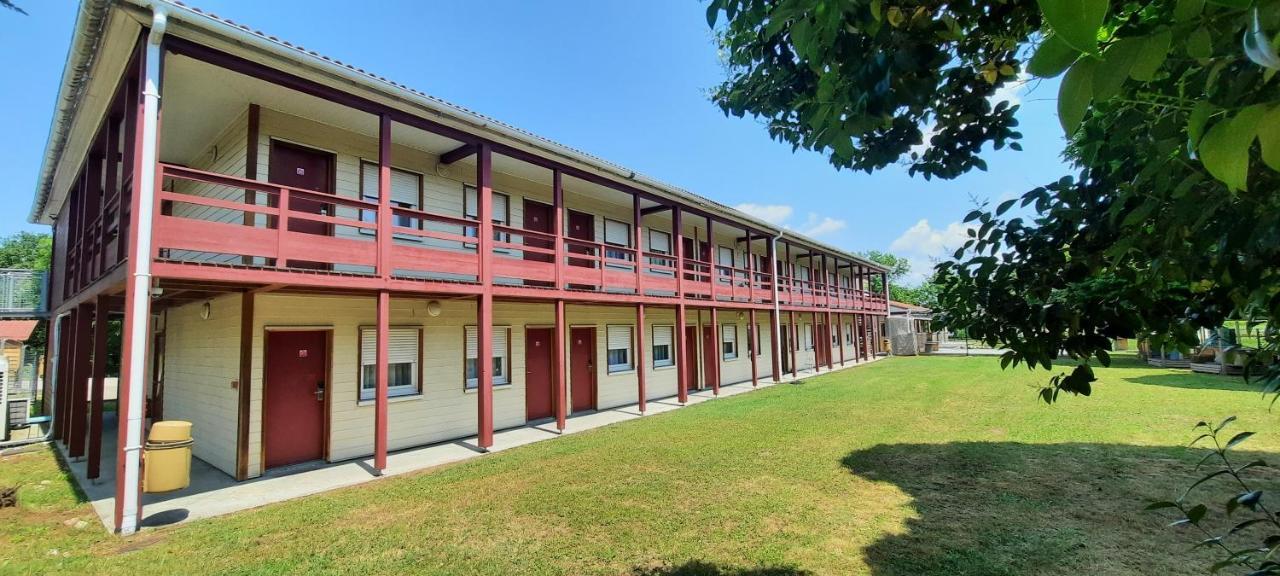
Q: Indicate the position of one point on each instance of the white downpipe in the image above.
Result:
(140, 298)
(775, 343)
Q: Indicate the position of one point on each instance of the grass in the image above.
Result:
(909, 466)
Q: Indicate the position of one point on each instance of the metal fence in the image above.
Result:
(22, 292)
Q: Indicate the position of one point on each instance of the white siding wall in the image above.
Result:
(202, 358)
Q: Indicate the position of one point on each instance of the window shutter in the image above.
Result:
(662, 335)
(402, 346)
(618, 233)
(619, 337)
(659, 241)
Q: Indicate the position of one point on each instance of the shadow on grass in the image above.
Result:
(699, 568)
(1010, 508)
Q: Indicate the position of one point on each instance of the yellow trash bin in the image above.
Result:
(168, 457)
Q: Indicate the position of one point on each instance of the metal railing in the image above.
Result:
(22, 292)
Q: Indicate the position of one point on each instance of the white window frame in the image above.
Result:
(670, 345)
(729, 341)
(501, 354)
(609, 331)
(369, 357)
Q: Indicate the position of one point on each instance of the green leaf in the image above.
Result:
(1187, 9)
(1155, 48)
(1116, 63)
(1200, 114)
(1200, 44)
(1269, 137)
(1052, 58)
(1075, 93)
(1076, 21)
(1225, 148)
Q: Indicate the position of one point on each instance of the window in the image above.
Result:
(402, 362)
(501, 357)
(406, 192)
(617, 234)
(618, 345)
(501, 211)
(662, 344)
(729, 341)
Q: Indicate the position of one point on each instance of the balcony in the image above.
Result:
(227, 222)
(22, 293)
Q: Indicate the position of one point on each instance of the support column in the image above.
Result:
(94, 466)
(682, 362)
(827, 342)
(81, 372)
(775, 345)
(753, 348)
(795, 342)
(560, 392)
(717, 337)
(640, 363)
(840, 334)
(137, 309)
(484, 306)
(380, 394)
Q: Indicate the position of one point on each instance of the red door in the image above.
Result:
(539, 361)
(293, 396)
(582, 368)
(710, 355)
(690, 358)
(538, 217)
(300, 167)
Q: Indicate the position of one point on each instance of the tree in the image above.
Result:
(26, 250)
(1171, 218)
(1171, 221)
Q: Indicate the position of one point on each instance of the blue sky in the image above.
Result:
(625, 81)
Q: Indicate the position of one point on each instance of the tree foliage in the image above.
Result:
(1171, 219)
(26, 250)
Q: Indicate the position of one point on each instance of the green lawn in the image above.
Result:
(905, 467)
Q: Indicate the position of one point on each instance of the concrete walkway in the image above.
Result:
(213, 493)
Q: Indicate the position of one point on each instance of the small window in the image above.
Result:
(617, 234)
(659, 242)
(406, 192)
(662, 346)
(402, 362)
(618, 346)
(729, 341)
(501, 357)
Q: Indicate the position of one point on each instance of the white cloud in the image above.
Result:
(780, 214)
(771, 213)
(922, 245)
(816, 226)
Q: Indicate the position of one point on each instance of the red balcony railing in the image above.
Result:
(218, 219)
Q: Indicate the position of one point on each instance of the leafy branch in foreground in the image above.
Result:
(1249, 518)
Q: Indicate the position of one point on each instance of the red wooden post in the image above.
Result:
(557, 229)
(80, 385)
(94, 466)
(827, 342)
(795, 341)
(753, 338)
(560, 391)
(682, 377)
(638, 246)
(717, 337)
(382, 359)
(640, 362)
(384, 235)
(484, 308)
(840, 335)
